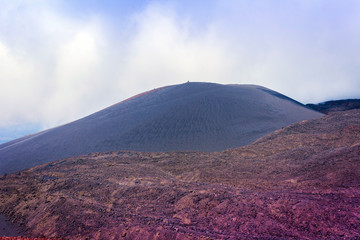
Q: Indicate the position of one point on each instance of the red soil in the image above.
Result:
(301, 182)
(23, 238)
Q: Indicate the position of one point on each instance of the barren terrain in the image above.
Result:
(336, 105)
(300, 182)
(186, 117)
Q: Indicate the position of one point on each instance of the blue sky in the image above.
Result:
(62, 60)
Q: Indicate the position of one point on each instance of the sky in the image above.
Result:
(61, 60)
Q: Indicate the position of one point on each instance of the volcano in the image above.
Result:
(187, 117)
(299, 182)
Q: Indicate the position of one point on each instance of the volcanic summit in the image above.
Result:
(186, 117)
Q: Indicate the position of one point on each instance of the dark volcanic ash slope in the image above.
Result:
(336, 105)
(191, 116)
(300, 182)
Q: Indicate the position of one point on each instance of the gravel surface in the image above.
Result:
(7, 228)
(300, 182)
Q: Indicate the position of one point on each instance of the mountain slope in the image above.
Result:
(192, 116)
(300, 182)
(336, 105)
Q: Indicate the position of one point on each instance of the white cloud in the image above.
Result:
(15, 72)
(75, 75)
(48, 75)
(56, 67)
(304, 49)
(164, 51)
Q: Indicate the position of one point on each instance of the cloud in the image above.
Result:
(50, 71)
(76, 74)
(301, 48)
(164, 51)
(58, 65)
(15, 86)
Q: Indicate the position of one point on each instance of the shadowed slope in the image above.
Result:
(300, 182)
(336, 105)
(191, 116)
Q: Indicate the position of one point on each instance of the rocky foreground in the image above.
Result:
(300, 182)
(23, 238)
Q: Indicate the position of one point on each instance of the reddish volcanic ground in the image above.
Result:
(23, 238)
(300, 182)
